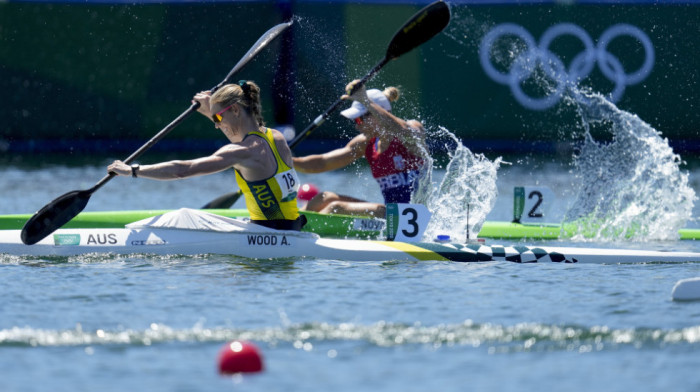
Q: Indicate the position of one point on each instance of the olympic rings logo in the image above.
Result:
(580, 68)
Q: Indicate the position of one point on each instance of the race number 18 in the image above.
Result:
(406, 222)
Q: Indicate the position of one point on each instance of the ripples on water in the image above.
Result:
(322, 323)
(494, 338)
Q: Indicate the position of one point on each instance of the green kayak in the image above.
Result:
(325, 225)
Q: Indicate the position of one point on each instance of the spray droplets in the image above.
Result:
(631, 185)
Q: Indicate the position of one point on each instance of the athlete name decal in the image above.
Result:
(157, 241)
(364, 224)
(267, 240)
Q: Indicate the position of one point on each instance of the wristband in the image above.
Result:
(135, 170)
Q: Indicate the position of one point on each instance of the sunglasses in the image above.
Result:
(218, 116)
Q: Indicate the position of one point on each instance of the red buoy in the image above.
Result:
(239, 357)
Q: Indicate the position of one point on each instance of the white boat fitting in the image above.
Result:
(686, 290)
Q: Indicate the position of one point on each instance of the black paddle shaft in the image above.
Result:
(65, 207)
(423, 26)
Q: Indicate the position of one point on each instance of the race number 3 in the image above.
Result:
(531, 203)
(406, 222)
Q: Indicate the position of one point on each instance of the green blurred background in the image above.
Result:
(107, 76)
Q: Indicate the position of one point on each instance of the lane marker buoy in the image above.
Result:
(239, 357)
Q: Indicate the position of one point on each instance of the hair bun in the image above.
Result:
(391, 93)
(244, 86)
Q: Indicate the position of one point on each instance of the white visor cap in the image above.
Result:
(357, 109)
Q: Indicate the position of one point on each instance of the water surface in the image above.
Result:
(141, 322)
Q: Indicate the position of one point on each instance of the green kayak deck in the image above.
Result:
(332, 226)
(511, 230)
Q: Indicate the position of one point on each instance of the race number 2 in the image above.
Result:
(406, 222)
(531, 203)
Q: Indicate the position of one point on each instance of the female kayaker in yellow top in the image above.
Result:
(260, 156)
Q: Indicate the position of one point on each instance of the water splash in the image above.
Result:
(631, 185)
(466, 194)
(630, 182)
(629, 179)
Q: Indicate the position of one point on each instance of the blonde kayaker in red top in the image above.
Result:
(392, 146)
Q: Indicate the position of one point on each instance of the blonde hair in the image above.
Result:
(392, 94)
(246, 93)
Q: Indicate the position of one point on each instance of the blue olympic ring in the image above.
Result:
(580, 68)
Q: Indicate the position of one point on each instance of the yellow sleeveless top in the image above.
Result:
(276, 196)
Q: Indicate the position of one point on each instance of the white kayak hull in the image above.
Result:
(190, 232)
(266, 244)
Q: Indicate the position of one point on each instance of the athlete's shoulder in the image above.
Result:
(277, 135)
(360, 139)
(233, 150)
